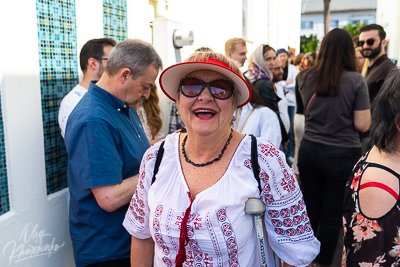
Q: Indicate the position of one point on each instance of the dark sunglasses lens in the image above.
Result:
(191, 87)
(221, 89)
(370, 42)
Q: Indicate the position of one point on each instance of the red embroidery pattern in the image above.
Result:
(297, 219)
(137, 207)
(269, 150)
(189, 258)
(247, 163)
(277, 222)
(157, 234)
(230, 239)
(208, 260)
(293, 209)
(273, 213)
(268, 198)
(264, 179)
(194, 256)
(264, 176)
(290, 221)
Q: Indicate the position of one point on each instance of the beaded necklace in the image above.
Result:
(209, 162)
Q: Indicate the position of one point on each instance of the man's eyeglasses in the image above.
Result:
(369, 42)
(220, 88)
(102, 58)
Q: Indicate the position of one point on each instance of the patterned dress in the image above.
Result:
(369, 242)
(220, 233)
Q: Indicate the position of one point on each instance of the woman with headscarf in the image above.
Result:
(260, 64)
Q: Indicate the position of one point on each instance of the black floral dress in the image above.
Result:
(369, 242)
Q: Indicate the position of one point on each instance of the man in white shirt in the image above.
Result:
(277, 72)
(288, 83)
(93, 59)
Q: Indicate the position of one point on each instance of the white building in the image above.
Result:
(40, 41)
(387, 15)
(343, 12)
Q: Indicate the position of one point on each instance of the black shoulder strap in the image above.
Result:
(254, 160)
(379, 166)
(158, 161)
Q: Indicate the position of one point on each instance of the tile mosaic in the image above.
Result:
(58, 75)
(115, 23)
(4, 196)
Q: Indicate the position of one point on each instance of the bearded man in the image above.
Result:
(372, 42)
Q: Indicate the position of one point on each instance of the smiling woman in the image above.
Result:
(194, 211)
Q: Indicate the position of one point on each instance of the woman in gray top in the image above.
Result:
(336, 110)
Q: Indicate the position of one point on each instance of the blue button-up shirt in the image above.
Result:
(105, 142)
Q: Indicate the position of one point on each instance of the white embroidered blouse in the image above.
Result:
(220, 232)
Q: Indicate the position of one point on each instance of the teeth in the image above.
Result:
(203, 110)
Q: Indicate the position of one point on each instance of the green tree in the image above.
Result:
(308, 44)
(353, 28)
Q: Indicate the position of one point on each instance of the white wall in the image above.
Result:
(215, 22)
(388, 17)
(140, 14)
(272, 22)
(35, 219)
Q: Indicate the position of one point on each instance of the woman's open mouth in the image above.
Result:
(204, 113)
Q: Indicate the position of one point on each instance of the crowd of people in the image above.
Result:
(290, 130)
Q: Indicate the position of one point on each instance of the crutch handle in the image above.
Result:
(254, 206)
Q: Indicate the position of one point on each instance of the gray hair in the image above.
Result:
(135, 55)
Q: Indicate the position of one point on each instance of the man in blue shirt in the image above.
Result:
(105, 142)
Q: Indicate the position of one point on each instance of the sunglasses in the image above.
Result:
(369, 42)
(219, 89)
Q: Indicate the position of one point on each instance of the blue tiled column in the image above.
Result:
(114, 19)
(4, 197)
(58, 75)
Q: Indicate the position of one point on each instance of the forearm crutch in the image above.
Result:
(255, 207)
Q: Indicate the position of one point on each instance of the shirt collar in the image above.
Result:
(379, 60)
(107, 97)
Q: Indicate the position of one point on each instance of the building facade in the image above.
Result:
(388, 16)
(342, 13)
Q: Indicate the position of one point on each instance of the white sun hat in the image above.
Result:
(171, 76)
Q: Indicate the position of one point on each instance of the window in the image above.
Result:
(334, 24)
(307, 25)
(354, 21)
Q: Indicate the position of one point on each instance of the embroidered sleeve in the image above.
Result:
(286, 220)
(136, 220)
